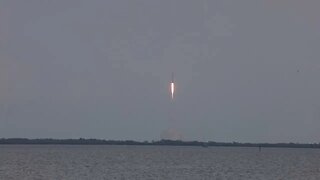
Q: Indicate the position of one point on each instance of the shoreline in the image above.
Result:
(82, 141)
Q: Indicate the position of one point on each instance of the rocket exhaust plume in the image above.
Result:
(172, 90)
(172, 86)
(172, 133)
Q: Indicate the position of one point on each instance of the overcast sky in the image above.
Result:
(245, 70)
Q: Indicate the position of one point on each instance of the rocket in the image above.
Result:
(172, 86)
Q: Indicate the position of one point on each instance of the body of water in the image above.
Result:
(156, 162)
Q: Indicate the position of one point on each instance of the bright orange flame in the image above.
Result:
(172, 90)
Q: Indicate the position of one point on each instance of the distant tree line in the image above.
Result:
(82, 141)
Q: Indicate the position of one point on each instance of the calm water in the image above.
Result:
(156, 162)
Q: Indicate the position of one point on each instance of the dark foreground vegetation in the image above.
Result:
(82, 141)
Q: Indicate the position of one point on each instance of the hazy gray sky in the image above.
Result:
(245, 70)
